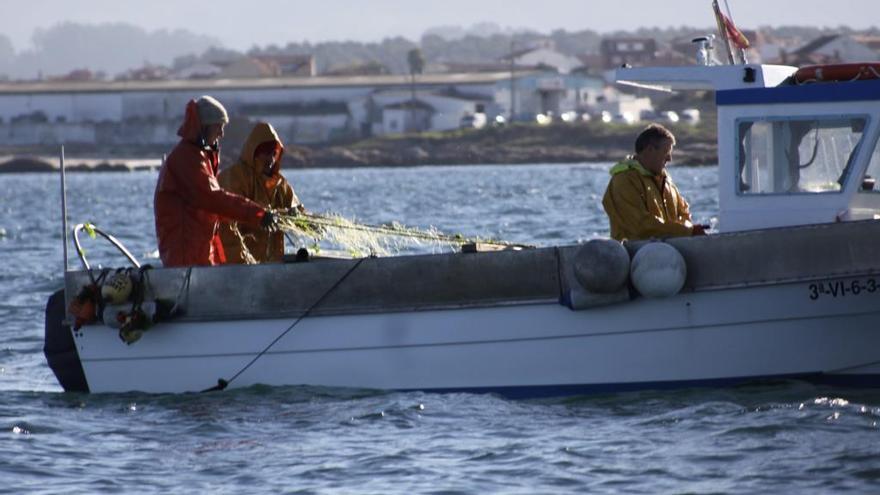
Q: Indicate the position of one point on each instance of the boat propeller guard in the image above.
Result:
(92, 231)
(87, 305)
(122, 300)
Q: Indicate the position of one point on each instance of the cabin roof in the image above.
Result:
(701, 77)
(805, 93)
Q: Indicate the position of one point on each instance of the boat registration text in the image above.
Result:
(843, 288)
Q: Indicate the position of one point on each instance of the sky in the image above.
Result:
(241, 24)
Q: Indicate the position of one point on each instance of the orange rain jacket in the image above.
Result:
(189, 202)
(641, 205)
(273, 192)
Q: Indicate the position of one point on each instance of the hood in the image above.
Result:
(631, 163)
(191, 129)
(261, 133)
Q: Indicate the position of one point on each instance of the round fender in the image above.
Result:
(658, 270)
(114, 314)
(117, 288)
(602, 266)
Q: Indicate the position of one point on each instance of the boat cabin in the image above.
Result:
(790, 153)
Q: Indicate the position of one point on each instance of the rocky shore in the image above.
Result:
(44, 163)
(471, 154)
(561, 143)
(517, 144)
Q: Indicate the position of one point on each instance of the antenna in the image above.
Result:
(734, 40)
(727, 7)
(63, 208)
(741, 51)
(722, 32)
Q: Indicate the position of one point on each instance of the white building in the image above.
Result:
(304, 110)
(407, 116)
(832, 49)
(198, 71)
(303, 122)
(548, 93)
(544, 54)
(438, 110)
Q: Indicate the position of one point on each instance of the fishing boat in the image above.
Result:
(788, 288)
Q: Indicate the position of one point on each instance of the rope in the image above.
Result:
(183, 287)
(222, 384)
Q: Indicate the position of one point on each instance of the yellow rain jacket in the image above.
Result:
(641, 205)
(274, 192)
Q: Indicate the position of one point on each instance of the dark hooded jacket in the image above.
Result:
(189, 203)
(268, 191)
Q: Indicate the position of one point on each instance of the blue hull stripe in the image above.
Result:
(808, 93)
(539, 391)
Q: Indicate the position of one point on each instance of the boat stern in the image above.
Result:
(60, 348)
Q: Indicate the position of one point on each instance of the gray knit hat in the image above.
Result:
(211, 111)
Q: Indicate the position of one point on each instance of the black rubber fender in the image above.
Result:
(60, 349)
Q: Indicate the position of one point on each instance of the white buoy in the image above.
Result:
(658, 270)
(113, 313)
(602, 266)
(117, 288)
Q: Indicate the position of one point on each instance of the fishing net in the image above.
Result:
(332, 231)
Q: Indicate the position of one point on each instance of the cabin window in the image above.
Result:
(803, 155)
(872, 176)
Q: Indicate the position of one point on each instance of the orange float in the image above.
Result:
(837, 72)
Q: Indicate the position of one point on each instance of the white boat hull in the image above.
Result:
(790, 288)
(704, 337)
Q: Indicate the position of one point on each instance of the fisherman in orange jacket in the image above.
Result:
(641, 200)
(189, 203)
(257, 176)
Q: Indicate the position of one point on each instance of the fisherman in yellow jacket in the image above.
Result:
(641, 200)
(257, 176)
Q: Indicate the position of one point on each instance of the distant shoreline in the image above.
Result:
(29, 164)
(44, 163)
(518, 144)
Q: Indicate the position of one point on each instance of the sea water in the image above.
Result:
(783, 437)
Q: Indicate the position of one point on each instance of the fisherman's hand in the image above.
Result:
(700, 229)
(269, 222)
(295, 211)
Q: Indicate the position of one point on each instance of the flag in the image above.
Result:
(734, 34)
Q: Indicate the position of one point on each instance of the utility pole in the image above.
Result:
(512, 82)
(416, 63)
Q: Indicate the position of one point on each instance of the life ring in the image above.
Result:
(837, 72)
